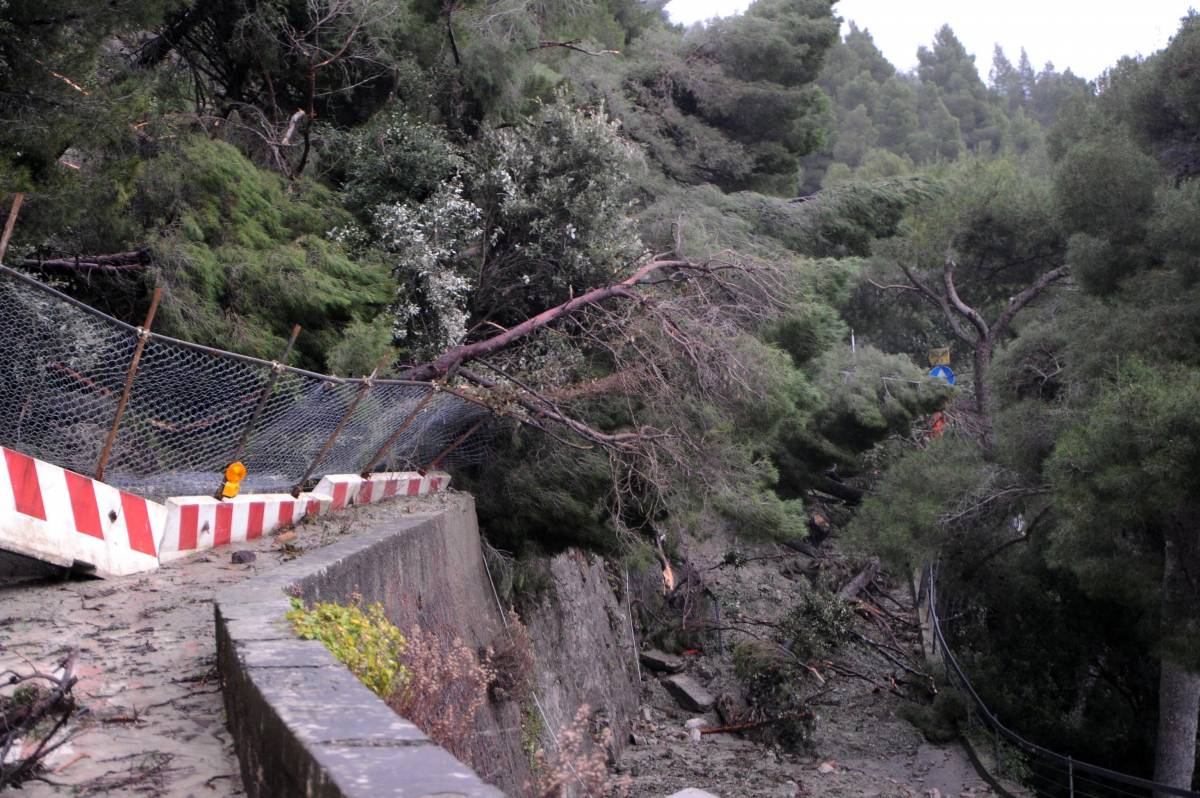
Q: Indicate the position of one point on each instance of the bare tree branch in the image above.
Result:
(963, 308)
(116, 262)
(1017, 303)
(894, 287)
(940, 301)
(573, 44)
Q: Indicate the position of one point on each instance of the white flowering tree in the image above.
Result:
(557, 199)
(531, 215)
(427, 244)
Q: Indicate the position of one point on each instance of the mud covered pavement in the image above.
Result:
(150, 719)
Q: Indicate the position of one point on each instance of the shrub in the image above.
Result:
(510, 661)
(575, 763)
(363, 639)
(773, 682)
(938, 722)
(816, 627)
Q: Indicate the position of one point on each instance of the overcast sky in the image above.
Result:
(1080, 34)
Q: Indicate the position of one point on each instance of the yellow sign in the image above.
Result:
(940, 356)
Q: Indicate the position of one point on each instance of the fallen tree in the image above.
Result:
(32, 719)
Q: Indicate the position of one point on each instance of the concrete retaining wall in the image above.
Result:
(303, 725)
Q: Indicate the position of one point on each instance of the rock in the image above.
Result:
(827, 767)
(689, 693)
(243, 557)
(730, 708)
(692, 792)
(660, 661)
(636, 739)
(790, 789)
(647, 715)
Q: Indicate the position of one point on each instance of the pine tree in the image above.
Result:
(949, 67)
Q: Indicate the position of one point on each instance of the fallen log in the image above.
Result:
(116, 262)
(803, 547)
(755, 724)
(840, 490)
(856, 585)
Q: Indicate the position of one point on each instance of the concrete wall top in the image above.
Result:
(303, 725)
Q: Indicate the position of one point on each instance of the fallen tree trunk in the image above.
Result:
(661, 270)
(840, 490)
(856, 585)
(802, 547)
(115, 262)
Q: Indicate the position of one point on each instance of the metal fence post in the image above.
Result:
(267, 390)
(337, 431)
(395, 436)
(996, 748)
(143, 336)
(1071, 777)
(10, 223)
(459, 441)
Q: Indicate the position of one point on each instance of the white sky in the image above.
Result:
(1081, 34)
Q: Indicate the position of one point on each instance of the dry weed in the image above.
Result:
(579, 766)
(447, 685)
(510, 660)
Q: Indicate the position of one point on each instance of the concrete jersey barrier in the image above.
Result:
(65, 519)
(195, 523)
(69, 520)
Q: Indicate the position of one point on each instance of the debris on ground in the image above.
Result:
(859, 746)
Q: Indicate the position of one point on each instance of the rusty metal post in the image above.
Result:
(337, 431)
(459, 441)
(10, 224)
(395, 436)
(267, 390)
(143, 336)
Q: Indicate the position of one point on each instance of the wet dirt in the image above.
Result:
(860, 746)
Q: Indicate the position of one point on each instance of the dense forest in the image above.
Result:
(698, 273)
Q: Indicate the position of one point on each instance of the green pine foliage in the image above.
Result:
(245, 255)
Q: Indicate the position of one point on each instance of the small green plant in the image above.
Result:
(362, 638)
(532, 729)
(818, 625)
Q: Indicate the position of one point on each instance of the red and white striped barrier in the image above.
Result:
(202, 522)
(67, 519)
(347, 489)
(194, 523)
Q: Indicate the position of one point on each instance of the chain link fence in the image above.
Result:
(66, 364)
(1044, 773)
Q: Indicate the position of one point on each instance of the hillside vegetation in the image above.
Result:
(780, 225)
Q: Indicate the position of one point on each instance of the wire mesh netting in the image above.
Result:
(190, 406)
(1045, 773)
